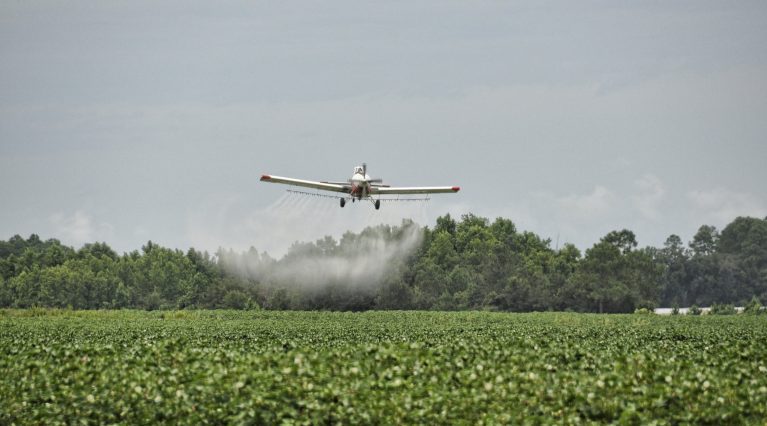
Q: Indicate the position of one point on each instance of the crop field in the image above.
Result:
(379, 367)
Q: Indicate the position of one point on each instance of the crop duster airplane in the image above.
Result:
(361, 186)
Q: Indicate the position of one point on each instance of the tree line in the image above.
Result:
(465, 264)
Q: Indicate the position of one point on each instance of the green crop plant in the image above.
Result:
(266, 367)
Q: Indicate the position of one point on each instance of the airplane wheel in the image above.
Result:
(343, 203)
(378, 204)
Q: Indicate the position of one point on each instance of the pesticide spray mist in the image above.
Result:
(354, 249)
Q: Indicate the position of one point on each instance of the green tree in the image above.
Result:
(744, 241)
(705, 241)
(236, 299)
(395, 293)
(613, 277)
(563, 266)
(674, 259)
(6, 296)
(445, 223)
(97, 250)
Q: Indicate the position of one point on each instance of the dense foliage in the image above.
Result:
(223, 367)
(469, 263)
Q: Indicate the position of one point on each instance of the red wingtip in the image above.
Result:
(456, 188)
(265, 177)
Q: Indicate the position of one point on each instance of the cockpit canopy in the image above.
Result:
(358, 170)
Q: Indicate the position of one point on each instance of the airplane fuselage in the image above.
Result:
(360, 185)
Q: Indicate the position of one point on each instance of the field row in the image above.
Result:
(476, 367)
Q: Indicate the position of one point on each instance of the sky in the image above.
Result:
(129, 121)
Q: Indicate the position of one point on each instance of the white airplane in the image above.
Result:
(360, 187)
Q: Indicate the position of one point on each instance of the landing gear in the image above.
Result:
(378, 204)
(343, 202)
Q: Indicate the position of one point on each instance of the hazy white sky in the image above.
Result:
(124, 121)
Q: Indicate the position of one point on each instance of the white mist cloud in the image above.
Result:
(228, 222)
(582, 218)
(579, 218)
(362, 264)
(720, 206)
(597, 203)
(79, 228)
(356, 261)
(651, 192)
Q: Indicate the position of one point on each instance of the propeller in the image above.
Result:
(365, 173)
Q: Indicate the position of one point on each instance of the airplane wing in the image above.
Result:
(414, 190)
(325, 186)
